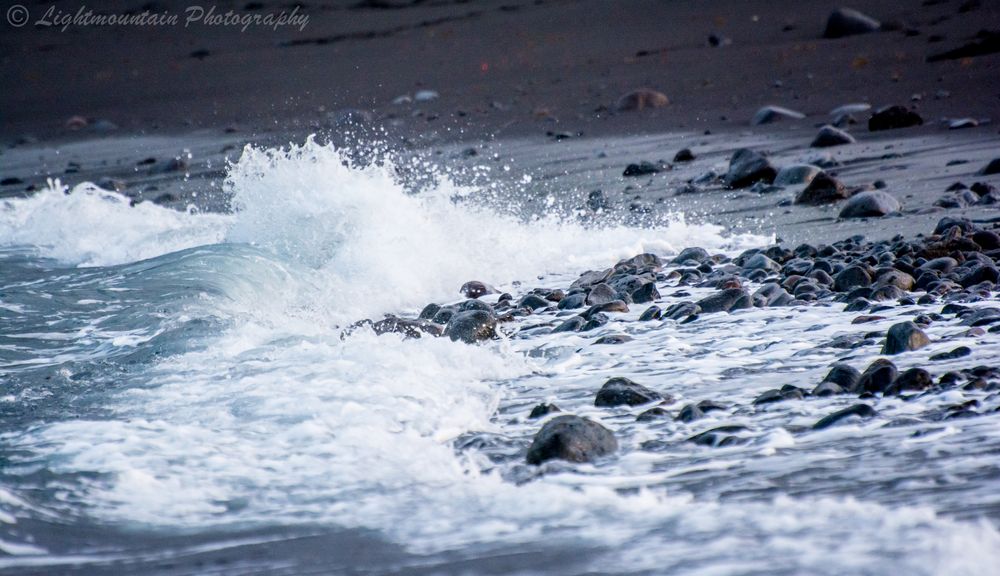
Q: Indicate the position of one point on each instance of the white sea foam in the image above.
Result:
(278, 420)
(94, 227)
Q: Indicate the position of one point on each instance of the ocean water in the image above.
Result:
(177, 397)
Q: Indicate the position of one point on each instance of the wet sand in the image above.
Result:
(509, 75)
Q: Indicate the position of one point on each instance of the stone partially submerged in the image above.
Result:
(573, 439)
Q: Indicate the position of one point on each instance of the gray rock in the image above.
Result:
(876, 377)
(601, 294)
(823, 189)
(912, 380)
(992, 168)
(904, 337)
(645, 293)
(862, 411)
(724, 301)
(829, 136)
(897, 278)
(684, 155)
(761, 262)
(573, 301)
(533, 302)
(641, 99)
(475, 289)
(893, 117)
(471, 326)
(573, 439)
(651, 313)
(622, 391)
(769, 114)
(854, 108)
(697, 254)
(874, 203)
(614, 339)
(574, 324)
(543, 409)
(844, 376)
(849, 22)
(796, 174)
(850, 278)
(747, 167)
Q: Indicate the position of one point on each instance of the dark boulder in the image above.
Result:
(829, 136)
(725, 301)
(475, 289)
(747, 167)
(684, 155)
(645, 293)
(843, 375)
(850, 278)
(904, 337)
(862, 411)
(893, 117)
(622, 391)
(823, 189)
(876, 377)
(573, 439)
(870, 204)
(848, 22)
(912, 380)
(992, 168)
(543, 409)
(471, 326)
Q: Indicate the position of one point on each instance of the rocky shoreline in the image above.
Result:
(937, 277)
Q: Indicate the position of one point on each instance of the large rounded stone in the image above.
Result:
(904, 337)
(874, 203)
(471, 326)
(892, 117)
(848, 22)
(769, 114)
(622, 391)
(796, 174)
(641, 99)
(828, 136)
(823, 189)
(573, 439)
(747, 167)
(850, 278)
